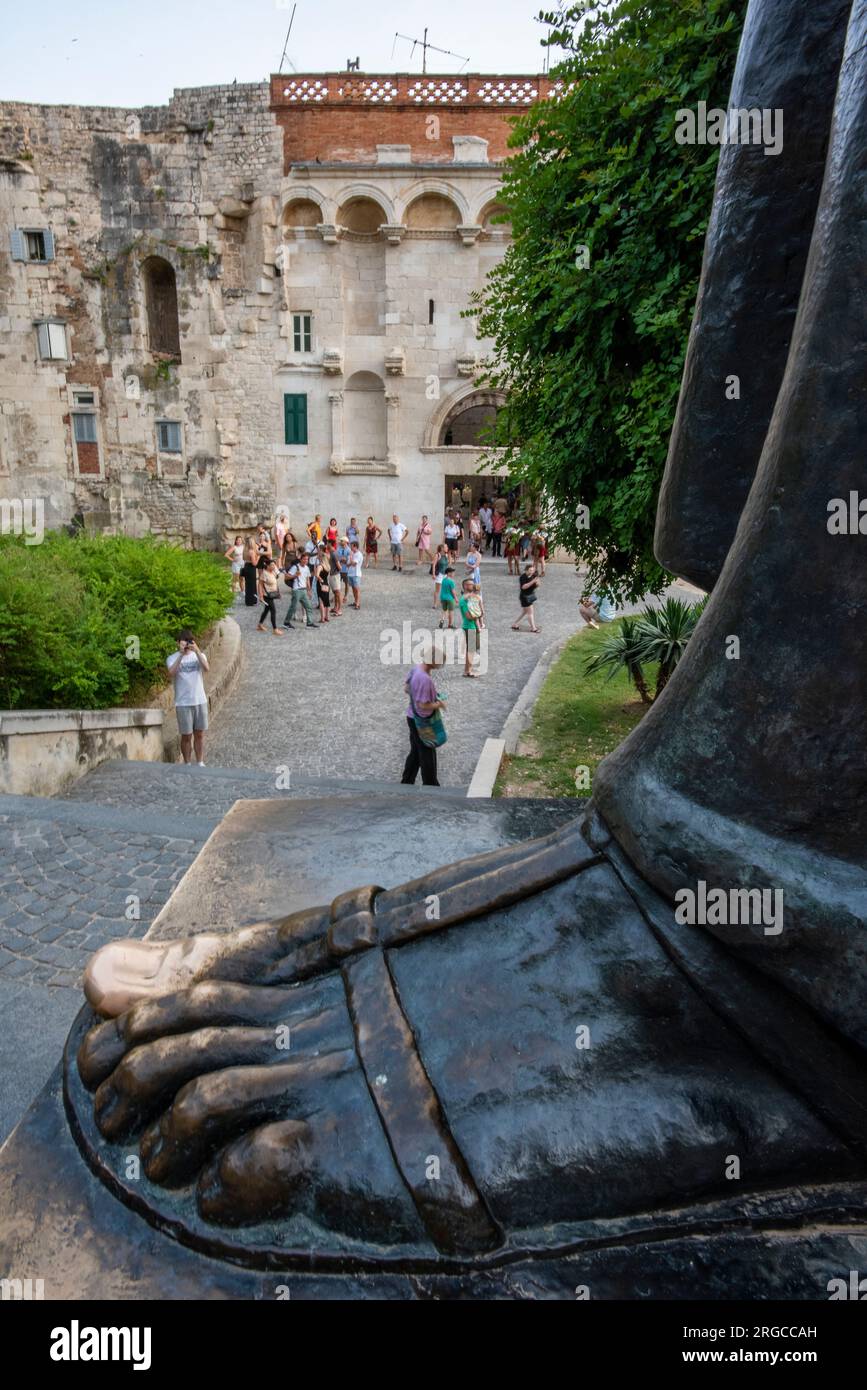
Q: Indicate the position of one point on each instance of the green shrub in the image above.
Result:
(69, 607)
(657, 638)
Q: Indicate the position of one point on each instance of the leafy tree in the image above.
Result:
(591, 306)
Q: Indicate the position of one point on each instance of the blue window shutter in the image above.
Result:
(19, 245)
(48, 238)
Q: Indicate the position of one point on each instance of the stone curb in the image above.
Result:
(522, 709)
(226, 664)
(487, 768)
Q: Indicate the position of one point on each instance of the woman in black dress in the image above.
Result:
(323, 590)
(251, 574)
(528, 583)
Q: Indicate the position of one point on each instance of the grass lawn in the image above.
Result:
(576, 721)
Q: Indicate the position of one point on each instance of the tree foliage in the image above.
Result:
(591, 355)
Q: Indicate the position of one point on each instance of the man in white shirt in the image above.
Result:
(186, 667)
(353, 573)
(299, 577)
(396, 533)
(486, 517)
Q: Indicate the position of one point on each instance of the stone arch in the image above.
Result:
(422, 188)
(432, 212)
(364, 417)
(465, 398)
(490, 209)
(161, 305)
(302, 211)
(363, 208)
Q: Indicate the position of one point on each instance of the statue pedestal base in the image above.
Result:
(60, 1224)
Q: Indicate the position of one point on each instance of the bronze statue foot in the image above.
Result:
(501, 1070)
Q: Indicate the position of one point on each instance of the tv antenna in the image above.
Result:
(286, 44)
(424, 46)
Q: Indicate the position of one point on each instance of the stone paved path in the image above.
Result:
(325, 704)
(66, 873)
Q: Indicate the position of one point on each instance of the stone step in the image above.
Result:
(92, 815)
(172, 789)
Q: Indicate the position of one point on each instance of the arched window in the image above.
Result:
(432, 212)
(361, 215)
(471, 421)
(161, 298)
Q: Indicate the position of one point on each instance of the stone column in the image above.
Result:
(392, 418)
(336, 399)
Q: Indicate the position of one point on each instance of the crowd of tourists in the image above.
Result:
(319, 574)
(322, 570)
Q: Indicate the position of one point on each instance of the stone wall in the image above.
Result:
(42, 752)
(188, 184)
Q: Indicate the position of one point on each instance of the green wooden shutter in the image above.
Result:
(295, 415)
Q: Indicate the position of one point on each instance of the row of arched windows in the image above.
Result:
(429, 212)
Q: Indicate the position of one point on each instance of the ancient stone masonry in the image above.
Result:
(249, 298)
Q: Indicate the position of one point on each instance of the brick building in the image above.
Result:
(252, 297)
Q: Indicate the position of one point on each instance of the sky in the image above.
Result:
(135, 52)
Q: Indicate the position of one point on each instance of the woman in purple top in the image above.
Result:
(423, 700)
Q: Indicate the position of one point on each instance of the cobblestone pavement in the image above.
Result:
(326, 704)
(67, 875)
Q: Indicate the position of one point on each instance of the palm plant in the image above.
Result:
(622, 651)
(662, 635)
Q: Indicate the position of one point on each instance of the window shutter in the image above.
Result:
(295, 410)
(48, 239)
(18, 244)
(58, 348)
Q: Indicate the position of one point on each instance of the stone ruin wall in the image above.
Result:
(196, 184)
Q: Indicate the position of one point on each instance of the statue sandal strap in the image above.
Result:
(428, 1159)
(487, 883)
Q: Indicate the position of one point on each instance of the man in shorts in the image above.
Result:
(448, 598)
(356, 562)
(396, 533)
(186, 667)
